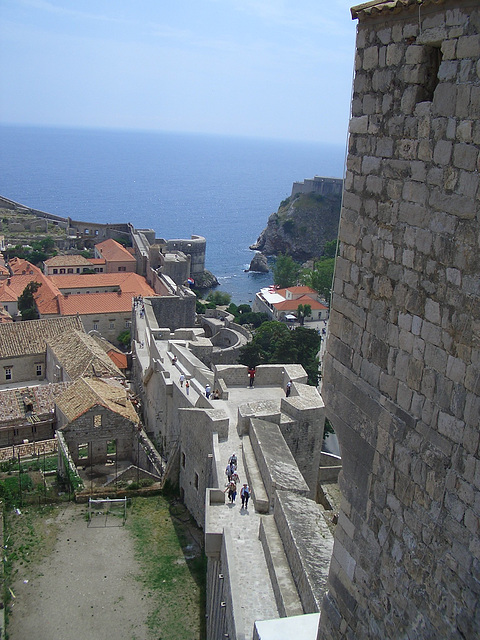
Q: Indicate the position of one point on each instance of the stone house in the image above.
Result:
(76, 354)
(28, 413)
(91, 414)
(116, 257)
(23, 347)
(67, 264)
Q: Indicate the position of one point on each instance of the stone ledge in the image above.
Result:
(286, 596)
(257, 488)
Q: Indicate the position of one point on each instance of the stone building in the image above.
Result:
(91, 413)
(23, 347)
(402, 369)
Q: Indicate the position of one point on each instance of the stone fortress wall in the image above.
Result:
(93, 232)
(402, 368)
(272, 560)
(319, 185)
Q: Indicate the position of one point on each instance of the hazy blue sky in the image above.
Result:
(269, 68)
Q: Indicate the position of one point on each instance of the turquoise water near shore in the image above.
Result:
(223, 188)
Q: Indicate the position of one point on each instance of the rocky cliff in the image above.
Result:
(301, 227)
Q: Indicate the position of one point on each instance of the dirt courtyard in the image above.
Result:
(86, 582)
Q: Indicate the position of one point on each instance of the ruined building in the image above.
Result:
(402, 369)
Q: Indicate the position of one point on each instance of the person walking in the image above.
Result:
(289, 388)
(251, 375)
(207, 391)
(187, 387)
(245, 495)
(182, 379)
(232, 491)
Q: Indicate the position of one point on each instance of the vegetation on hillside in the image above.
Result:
(36, 253)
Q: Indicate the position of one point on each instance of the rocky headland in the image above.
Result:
(301, 226)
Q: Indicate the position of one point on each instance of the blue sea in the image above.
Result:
(223, 188)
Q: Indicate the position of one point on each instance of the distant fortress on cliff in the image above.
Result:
(319, 185)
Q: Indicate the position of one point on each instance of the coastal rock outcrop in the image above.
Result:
(301, 226)
(259, 263)
(205, 280)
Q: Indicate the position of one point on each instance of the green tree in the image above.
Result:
(330, 249)
(274, 343)
(303, 311)
(219, 298)
(26, 301)
(320, 278)
(285, 271)
(124, 337)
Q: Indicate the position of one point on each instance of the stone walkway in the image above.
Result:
(252, 586)
(252, 589)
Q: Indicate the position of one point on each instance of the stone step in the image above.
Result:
(284, 588)
(257, 488)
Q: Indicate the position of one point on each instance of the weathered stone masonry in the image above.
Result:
(402, 369)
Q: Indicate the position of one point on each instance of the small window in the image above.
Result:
(433, 59)
(39, 369)
(128, 324)
(97, 420)
(122, 268)
(112, 324)
(5, 306)
(95, 325)
(87, 232)
(83, 451)
(34, 429)
(78, 270)
(69, 270)
(196, 480)
(62, 270)
(96, 232)
(15, 432)
(8, 373)
(55, 271)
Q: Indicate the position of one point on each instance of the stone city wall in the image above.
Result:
(402, 367)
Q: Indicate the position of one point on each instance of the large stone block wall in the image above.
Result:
(197, 427)
(402, 368)
(113, 427)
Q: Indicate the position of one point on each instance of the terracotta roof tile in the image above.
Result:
(112, 251)
(12, 410)
(67, 261)
(86, 393)
(126, 281)
(29, 337)
(95, 303)
(80, 355)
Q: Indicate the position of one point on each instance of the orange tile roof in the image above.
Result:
(300, 289)
(112, 251)
(21, 267)
(95, 303)
(97, 260)
(120, 359)
(126, 281)
(7, 294)
(288, 305)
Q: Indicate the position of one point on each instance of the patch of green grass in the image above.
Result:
(168, 547)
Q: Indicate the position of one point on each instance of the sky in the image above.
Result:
(256, 68)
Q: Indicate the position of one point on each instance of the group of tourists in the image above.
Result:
(233, 480)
